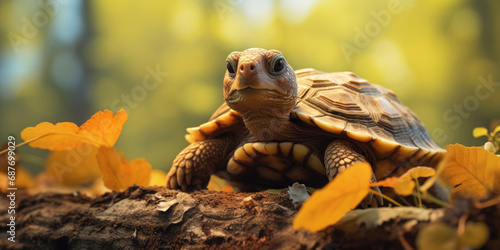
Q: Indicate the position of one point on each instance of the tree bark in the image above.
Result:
(154, 217)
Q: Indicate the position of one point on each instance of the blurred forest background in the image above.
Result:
(164, 61)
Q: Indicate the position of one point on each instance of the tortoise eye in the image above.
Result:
(230, 66)
(278, 63)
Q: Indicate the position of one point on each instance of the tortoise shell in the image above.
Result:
(348, 106)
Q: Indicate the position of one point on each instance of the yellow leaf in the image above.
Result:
(217, 183)
(103, 129)
(437, 236)
(228, 189)
(471, 170)
(10, 166)
(158, 178)
(96, 189)
(478, 132)
(388, 182)
(73, 167)
(23, 180)
(119, 173)
(476, 234)
(327, 205)
(406, 184)
(496, 131)
(4, 182)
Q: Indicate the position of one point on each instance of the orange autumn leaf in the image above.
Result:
(217, 183)
(388, 182)
(472, 170)
(158, 178)
(228, 189)
(10, 167)
(406, 184)
(102, 129)
(119, 173)
(329, 204)
(73, 167)
(23, 179)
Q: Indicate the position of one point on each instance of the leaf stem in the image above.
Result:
(418, 192)
(23, 143)
(386, 197)
(429, 197)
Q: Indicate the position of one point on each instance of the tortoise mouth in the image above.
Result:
(249, 93)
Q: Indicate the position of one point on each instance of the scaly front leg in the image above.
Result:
(193, 166)
(339, 155)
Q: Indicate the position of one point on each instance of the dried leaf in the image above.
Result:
(23, 179)
(119, 173)
(496, 131)
(217, 183)
(183, 202)
(228, 189)
(103, 129)
(437, 236)
(327, 205)
(373, 217)
(298, 194)
(4, 182)
(442, 236)
(388, 182)
(476, 235)
(488, 146)
(478, 132)
(74, 167)
(158, 178)
(471, 170)
(406, 184)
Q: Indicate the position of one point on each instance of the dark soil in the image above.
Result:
(200, 220)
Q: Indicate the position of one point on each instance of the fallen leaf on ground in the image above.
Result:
(118, 173)
(405, 184)
(103, 129)
(217, 183)
(443, 237)
(374, 217)
(74, 167)
(158, 178)
(388, 182)
(327, 205)
(298, 194)
(472, 170)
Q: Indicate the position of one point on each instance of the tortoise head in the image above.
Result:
(259, 80)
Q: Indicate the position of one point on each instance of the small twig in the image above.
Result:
(461, 224)
(25, 142)
(418, 192)
(489, 203)
(386, 197)
(431, 198)
(403, 241)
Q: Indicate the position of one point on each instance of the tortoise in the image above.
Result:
(279, 126)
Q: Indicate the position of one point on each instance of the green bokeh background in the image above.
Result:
(64, 60)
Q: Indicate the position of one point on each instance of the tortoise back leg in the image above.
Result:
(341, 154)
(193, 166)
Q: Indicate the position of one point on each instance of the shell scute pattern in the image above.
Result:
(347, 105)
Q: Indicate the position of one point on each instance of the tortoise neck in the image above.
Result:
(270, 126)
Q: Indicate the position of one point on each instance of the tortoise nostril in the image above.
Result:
(247, 67)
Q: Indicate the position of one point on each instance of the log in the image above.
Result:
(154, 217)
